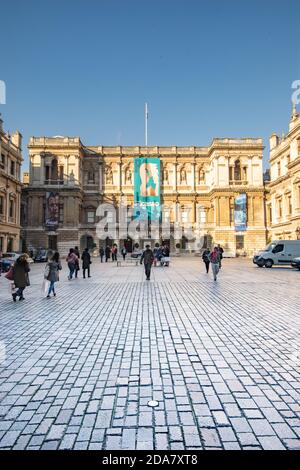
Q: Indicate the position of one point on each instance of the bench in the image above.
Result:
(128, 262)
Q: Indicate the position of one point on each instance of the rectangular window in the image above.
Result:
(290, 205)
(61, 213)
(91, 177)
(61, 173)
(91, 217)
(1, 205)
(278, 169)
(280, 208)
(185, 217)
(11, 209)
(12, 168)
(240, 242)
(10, 244)
(1, 243)
(202, 216)
(47, 173)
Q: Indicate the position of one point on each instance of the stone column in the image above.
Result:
(250, 173)
(120, 176)
(42, 170)
(217, 222)
(175, 165)
(193, 177)
(100, 176)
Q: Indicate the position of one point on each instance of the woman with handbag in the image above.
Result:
(72, 260)
(53, 267)
(20, 276)
(86, 262)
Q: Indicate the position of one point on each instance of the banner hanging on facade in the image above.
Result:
(240, 212)
(147, 188)
(52, 211)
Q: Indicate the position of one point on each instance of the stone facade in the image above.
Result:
(198, 185)
(10, 190)
(283, 205)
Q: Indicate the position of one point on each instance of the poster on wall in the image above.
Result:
(240, 213)
(52, 211)
(147, 188)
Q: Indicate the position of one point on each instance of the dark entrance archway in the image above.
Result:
(87, 241)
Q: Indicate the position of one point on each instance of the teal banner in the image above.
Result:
(240, 213)
(147, 188)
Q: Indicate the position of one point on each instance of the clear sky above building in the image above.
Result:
(206, 69)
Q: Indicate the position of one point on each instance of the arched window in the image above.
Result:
(54, 170)
(237, 170)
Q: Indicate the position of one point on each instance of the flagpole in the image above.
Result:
(146, 124)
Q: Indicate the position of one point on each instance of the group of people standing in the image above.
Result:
(73, 262)
(214, 258)
(161, 255)
(109, 252)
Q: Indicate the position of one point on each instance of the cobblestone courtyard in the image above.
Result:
(222, 359)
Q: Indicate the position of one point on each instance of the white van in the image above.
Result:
(278, 252)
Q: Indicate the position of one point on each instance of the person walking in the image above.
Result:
(54, 266)
(166, 254)
(86, 262)
(114, 253)
(124, 252)
(206, 259)
(107, 253)
(215, 262)
(77, 267)
(221, 251)
(20, 276)
(101, 253)
(148, 258)
(159, 255)
(71, 260)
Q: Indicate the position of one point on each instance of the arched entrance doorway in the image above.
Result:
(87, 241)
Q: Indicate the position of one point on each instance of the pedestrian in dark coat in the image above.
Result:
(86, 262)
(101, 253)
(107, 253)
(148, 258)
(77, 268)
(206, 258)
(221, 251)
(21, 278)
(54, 266)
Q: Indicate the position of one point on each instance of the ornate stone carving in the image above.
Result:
(108, 175)
(183, 175)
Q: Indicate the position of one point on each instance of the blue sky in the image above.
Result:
(207, 69)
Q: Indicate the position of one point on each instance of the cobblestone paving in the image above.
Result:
(222, 360)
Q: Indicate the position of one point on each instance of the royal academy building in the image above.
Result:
(216, 191)
(10, 190)
(284, 202)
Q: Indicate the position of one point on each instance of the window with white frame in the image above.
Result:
(90, 216)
